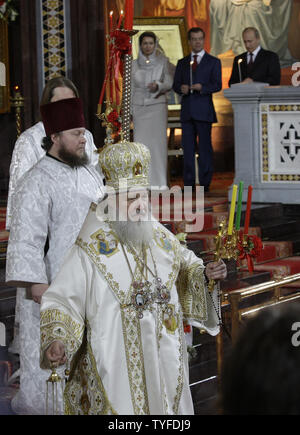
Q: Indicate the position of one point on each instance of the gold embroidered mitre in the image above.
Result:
(125, 165)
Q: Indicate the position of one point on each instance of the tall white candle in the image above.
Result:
(191, 76)
(239, 66)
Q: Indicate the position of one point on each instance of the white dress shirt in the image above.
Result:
(255, 53)
(199, 55)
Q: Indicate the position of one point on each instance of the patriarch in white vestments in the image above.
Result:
(116, 311)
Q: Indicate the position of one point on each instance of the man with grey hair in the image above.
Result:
(116, 310)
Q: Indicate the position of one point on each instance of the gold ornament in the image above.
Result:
(125, 165)
(226, 247)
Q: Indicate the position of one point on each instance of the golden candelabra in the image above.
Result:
(17, 101)
(226, 247)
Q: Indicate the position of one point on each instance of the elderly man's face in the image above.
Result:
(134, 205)
(132, 221)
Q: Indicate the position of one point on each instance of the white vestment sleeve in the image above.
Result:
(28, 234)
(63, 306)
(200, 307)
(27, 151)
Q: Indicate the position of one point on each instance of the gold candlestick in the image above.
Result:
(17, 101)
(226, 247)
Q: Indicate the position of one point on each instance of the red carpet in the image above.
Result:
(2, 218)
(3, 236)
(280, 268)
(276, 257)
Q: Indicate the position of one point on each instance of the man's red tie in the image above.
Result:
(195, 63)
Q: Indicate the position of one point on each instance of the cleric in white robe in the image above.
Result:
(27, 152)
(52, 200)
(28, 147)
(152, 78)
(116, 310)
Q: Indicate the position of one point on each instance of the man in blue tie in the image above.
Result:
(197, 77)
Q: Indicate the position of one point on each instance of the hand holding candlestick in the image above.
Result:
(216, 270)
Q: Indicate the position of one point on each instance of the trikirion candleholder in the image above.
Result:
(226, 247)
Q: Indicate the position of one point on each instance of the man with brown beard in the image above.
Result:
(51, 202)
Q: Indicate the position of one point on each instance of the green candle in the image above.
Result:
(239, 206)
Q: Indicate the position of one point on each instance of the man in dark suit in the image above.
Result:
(197, 77)
(256, 64)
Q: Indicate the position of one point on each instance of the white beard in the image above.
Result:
(134, 233)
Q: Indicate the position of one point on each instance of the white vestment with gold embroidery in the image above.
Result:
(120, 363)
(52, 200)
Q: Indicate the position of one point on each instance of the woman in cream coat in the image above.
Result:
(152, 78)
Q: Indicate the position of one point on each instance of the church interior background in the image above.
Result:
(68, 37)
